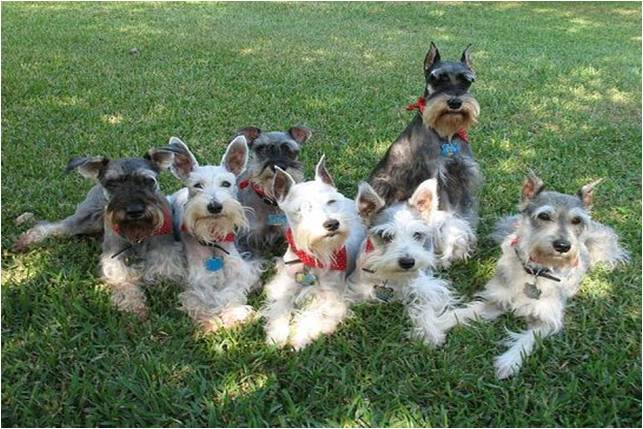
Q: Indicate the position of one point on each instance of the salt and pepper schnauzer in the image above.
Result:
(434, 144)
(397, 257)
(138, 244)
(547, 250)
(208, 214)
(268, 150)
(307, 296)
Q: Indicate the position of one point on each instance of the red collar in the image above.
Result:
(339, 257)
(164, 229)
(258, 190)
(227, 239)
(369, 246)
(420, 105)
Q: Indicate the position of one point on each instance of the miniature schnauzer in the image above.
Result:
(547, 250)
(138, 243)
(266, 222)
(435, 143)
(208, 214)
(307, 296)
(397, 257)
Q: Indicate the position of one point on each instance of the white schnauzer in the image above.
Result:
(207, 214)
(547, 250)
(307, 296)
(397, 257)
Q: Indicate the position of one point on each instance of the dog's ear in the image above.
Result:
(586, 193)
(181, 163)
(368, 202)
(88, 167)
(432, 57)
(425, 198)
(235, 158)
(466, 57)
(322, 174)
(281, 184)
(250, 133)
(532, 186)
(300, 134)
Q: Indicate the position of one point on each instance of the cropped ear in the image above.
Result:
(432, 57)
(183, 162)
(586, 193)
(281, 184)
(300, 134)
(368, 202)
(466, 57)
(88, 167)
(532, 186)
(322, 174)
(425, 198)
(250, 133)
(235, 158)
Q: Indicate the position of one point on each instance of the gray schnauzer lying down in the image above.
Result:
(268, 150)
(546, 252)
(208, 214)
(127, 204)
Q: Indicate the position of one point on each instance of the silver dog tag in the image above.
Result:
(532, 291)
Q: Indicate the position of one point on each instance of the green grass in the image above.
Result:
(560, 90)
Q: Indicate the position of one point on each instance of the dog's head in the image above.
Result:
(552, 223)
(269, 150)
(212, 210)
(318, 215)
(400, 235)
(136, 208)
(449, 105)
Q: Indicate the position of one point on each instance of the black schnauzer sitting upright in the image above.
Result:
(435, 144)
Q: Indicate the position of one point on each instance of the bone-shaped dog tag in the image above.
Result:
(277, 219)
(214, 264)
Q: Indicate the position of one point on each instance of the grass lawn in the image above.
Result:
(560, 91)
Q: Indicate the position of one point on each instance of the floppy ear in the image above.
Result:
(183, 162)
(425, 198)
(235, 158)
(586, 193)
(300, 134)
(250, 133)
(432, 57)
(532, 186)
(368, 202)
(88, 167)
(322, 174)
(281, 184)
(466, 56)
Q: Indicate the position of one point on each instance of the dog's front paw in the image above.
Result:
(277, 334)
(237, 315)
(506, 366)
(298, 342)
(27, 238)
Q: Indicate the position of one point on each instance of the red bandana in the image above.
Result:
(258, 190)
(420, 104)
(227, 239)
(369, 246)
(165, 229)
(339, 257)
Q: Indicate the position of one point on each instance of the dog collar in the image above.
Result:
(258, 190)
(164, 229)
(229, 238)
(533, 270)
(339, 257)
(420, 105)
(369, 246)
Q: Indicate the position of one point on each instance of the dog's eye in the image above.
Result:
(419, 236)
(149, 181)
(198, 185)
(387, 237)
(577, 220)
(544, 216)
(225, 184)
(331, 202)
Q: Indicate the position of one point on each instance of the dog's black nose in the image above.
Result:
(214, 207)
(331, 225)
(454, 103)
(406, 263)
(562, 246)
(135, 210)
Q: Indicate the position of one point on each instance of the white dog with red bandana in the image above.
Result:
(307, 296)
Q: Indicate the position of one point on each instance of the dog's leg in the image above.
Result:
(474, 310)
(88, 219)
(521, 345)
(322, 316)
(428, 300)
(279, 306)
(123, 284)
